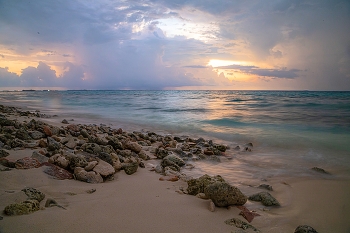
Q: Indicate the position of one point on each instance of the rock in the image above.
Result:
(169, 178)
(42, 143)
(27, 163)
(247, 214)
(70, 142)
(57, 172)
(176, 159)
(104, 169)
(266, 186)
(3, 153)
(73, 128)
(117, 165)
(196, 186)
(143, 155)
(21, 208)
(89, 177)
(36, 135)
(159, 168)
(133, 146)
(202, 196)
(305, 229)
(52, 144)
(168, 163)
(41, 158)
(8, 129)
(320, 170)
(16, 143)
(224, 194)
(47, 131)
(106, 157)
(265, 198)
(34, 194)
(5, 162)
(31, 144)
(76, 161)
(211, 206)
(240, 224)
(90, 166)
(161, 153)
(116, 144)
(59, 160)
(84, 133)
(90, 191)
(130, 168)
(91, 148)
(64, 121)
(23, 134)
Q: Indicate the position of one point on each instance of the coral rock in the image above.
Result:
(104, 169)
(130, 168)
(265, 198)
(34, 194)
(27, 163)
(21, 208)
(224, 194)
(89, 177)
(57, 172)
(196, 186)
(305, 229)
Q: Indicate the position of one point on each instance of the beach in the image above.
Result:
(141, 202)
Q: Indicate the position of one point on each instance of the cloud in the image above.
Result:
(272, 73)
(156, 44)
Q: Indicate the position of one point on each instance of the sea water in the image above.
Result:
(291, 131)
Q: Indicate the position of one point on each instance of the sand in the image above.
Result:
(142, 203)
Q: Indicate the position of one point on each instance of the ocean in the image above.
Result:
(291, 131)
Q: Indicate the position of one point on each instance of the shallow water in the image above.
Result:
(291, 131)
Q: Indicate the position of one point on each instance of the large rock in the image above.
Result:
(41, 158)
(91, 148)
(265, 198)
(117, 165)
(21, 208)
(133, 146)
(70, 142)
(52, 144)
(161, 153)
(104, 169)
(76, 161)
(34, 194)
(175, 159)
(59, 160)
(57, 172)
(23, 134)
(89, 177)
(36, 135)
(224, 194)
(27, 163)
(305, 229)
(130, 168)
(4, 153)
(196, 186)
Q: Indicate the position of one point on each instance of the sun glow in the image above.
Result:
(219, 63)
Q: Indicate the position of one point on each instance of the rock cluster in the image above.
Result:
(28, 206)
(217, 189)
(93, 153)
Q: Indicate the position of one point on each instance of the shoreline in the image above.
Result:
(142, 203)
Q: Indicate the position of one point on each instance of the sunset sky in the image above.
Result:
(175, 44)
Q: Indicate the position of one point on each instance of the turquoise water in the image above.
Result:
(291, 130)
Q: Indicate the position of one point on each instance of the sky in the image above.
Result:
(175, 44)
